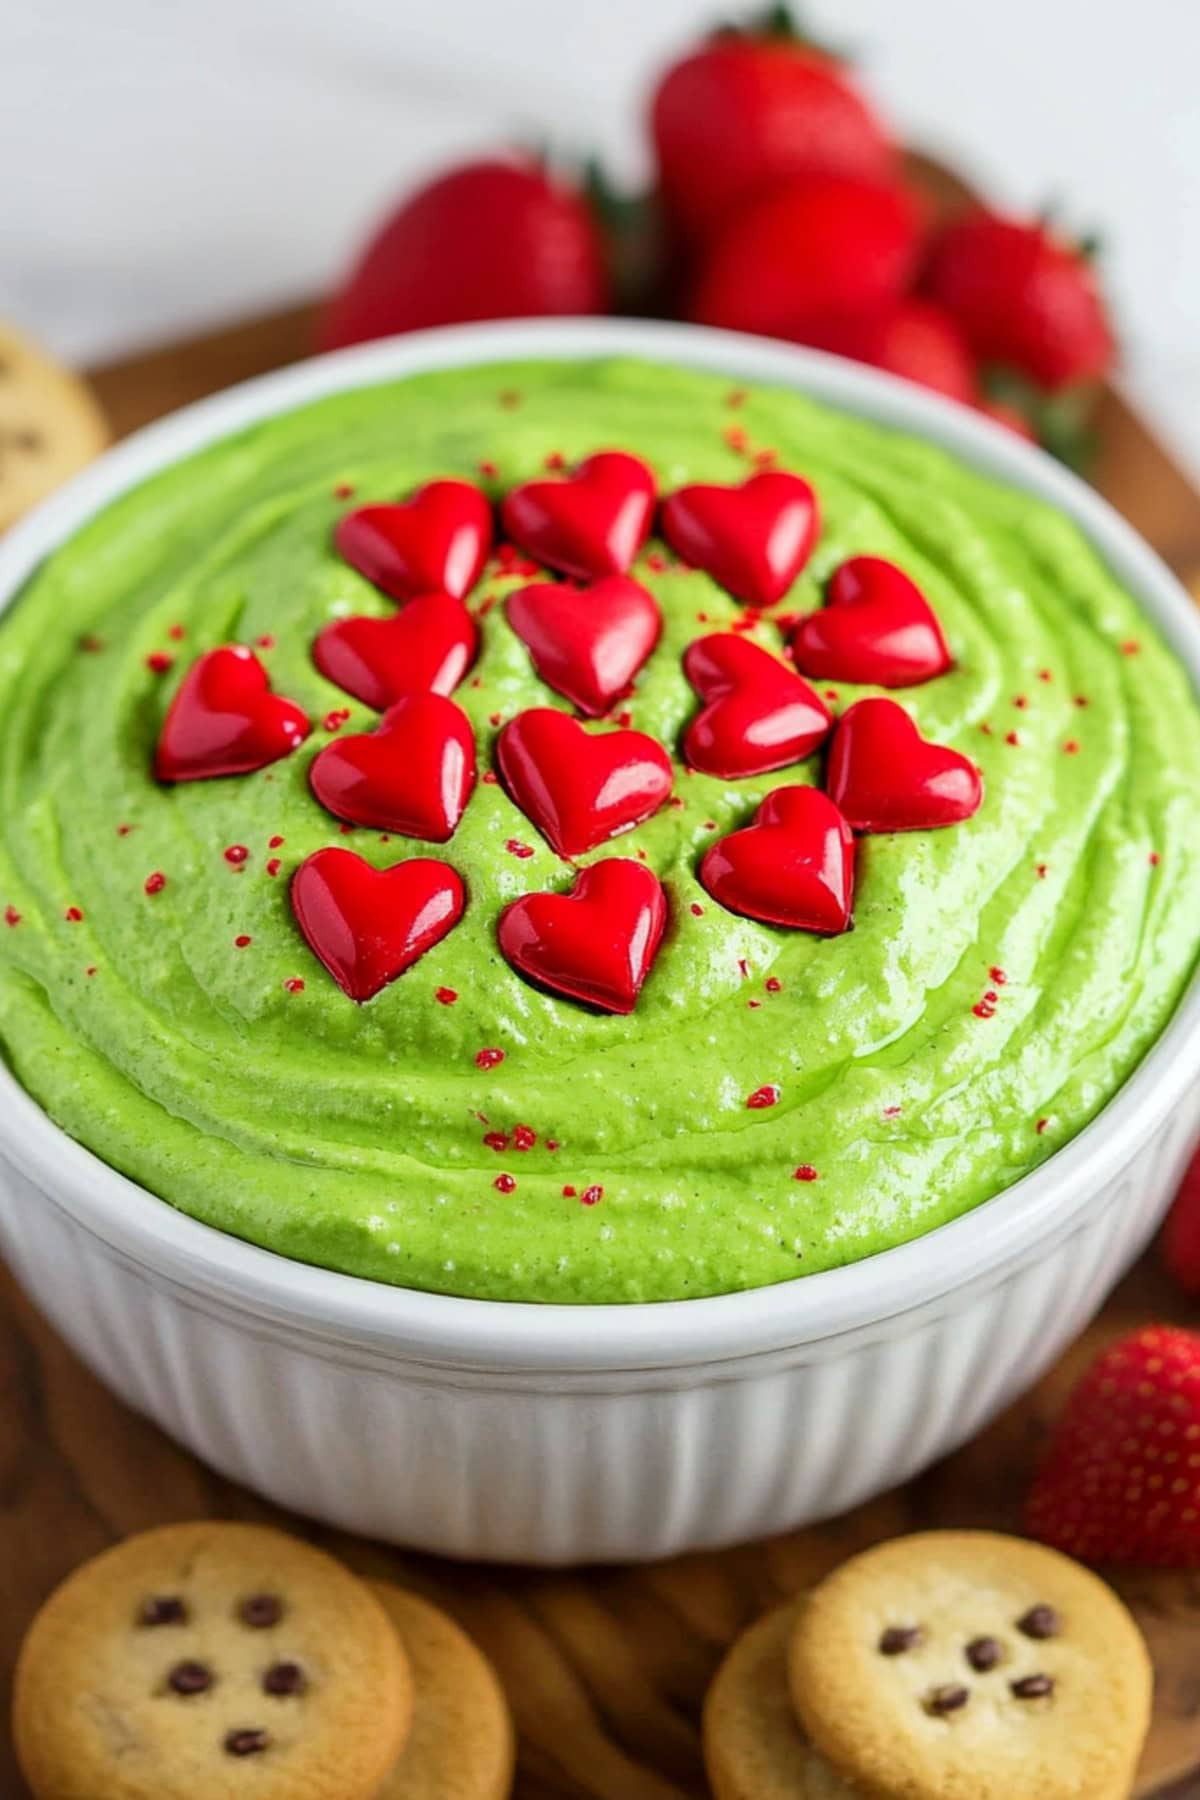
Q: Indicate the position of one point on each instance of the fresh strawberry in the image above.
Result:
(1181, 1238)
(807, 253)
(1120, 1481)
(749, 106)
(1023, 296)
(489, 240)
(915, 339)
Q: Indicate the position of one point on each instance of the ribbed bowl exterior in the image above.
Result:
(558, 1434)
(559, 1468)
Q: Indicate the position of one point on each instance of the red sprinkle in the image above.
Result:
(556, 460)
(1041, 1126)
(985, 728)
(495, 718)
(657, 562)
(342, 491)
(773, 984)
(625, 718)
(505, 1184)
(1040, 871)
(735, 397)
(1155, 859)
(515, 847)
(891, 1112)
(445, 996)
(336, 718)
(697, 909)
(241, 941)
(155, 883)
(275, 843)
(265, 641)
(487, 468)
(346, 830)
(294, 985)
(1130, 647)
(124, 830)
(11, 916)
(754, 1005)
(765, 459)
(1020, 702)
(832, 694)
(1071, 747)
(159, 661)
(1010, 737)
(523, 1137)
(73, 915)
(743, 968)
(736, 438)
(90, 643)
(508, 399)
(590, 1195)
(552, 1143)
(91, 969)
(236, 855)
(767, 1095)
(569, 1193)
(1045, 675)
(491, 777)
(176, 633)
(488, 1059)
(273, 865)
(991, 996)
(805, 1172)
(983, 1009)
(1081, 699)
(998, 976)
(496, 1140)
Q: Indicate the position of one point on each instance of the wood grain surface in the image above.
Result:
(606, 1668)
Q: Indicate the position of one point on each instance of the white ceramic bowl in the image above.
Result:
(562, 1434)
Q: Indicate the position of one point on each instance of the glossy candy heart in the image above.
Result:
(793, 865)
(596, 943)
(587, 643)
(413, 775)
(368, 925)
(886, 777)
(753, 539)
(581, 789)
(437, 541)
(224, 720)
(876, 626)
(760, 715)
(586, 524)
(427, 648)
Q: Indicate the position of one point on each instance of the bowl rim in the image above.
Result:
(232, 1274)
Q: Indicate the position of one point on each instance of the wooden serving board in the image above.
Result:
(606, 1669)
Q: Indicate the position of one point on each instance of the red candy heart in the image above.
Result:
(760, 715)
(587, 643)
(587, 524)
(427, 648)
(368, 925)
(596, 943)
(437, 541)
(225, 720)
(753, 539)
(414, 774)
(578, 789)
(886, 777)
(876, 626)
(794, 865)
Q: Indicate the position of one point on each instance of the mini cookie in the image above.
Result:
(962, 1665)
(754, 1748)
(210, 1662)
(460, 1745)
(50, 426)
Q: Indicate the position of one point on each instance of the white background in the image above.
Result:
(169, 163)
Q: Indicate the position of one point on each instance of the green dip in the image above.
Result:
(353, 1137)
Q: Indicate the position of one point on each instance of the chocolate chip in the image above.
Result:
(1040, 1622)
(899, 1638)
(983, 1653)
(1032, 1687)
(190, 1678)
(284, 1678)
(261, 1610)
(247, 1743)
(946, 1699)
(163, 1609)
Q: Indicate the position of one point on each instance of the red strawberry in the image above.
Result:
(807, 252)
(1181, 1238)
(744, 109)
(490, 240)
(1120, 1479)
(913, 338)
(1023, 297)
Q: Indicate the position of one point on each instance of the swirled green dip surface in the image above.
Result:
(354, 1136)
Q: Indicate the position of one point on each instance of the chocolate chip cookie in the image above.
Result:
(50, 426)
